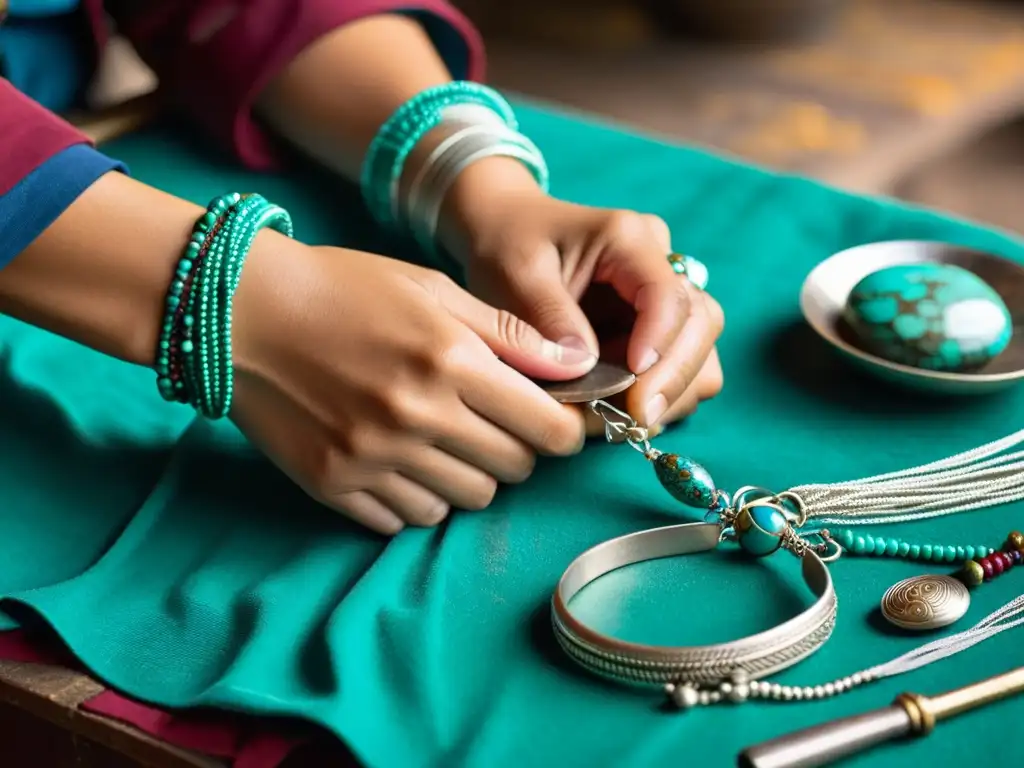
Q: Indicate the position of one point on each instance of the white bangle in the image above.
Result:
(458, 116)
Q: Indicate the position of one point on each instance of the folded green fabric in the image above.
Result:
(226, 587)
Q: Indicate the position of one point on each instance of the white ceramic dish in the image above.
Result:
(827, 288)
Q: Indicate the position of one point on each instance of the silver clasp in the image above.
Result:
(620, 427)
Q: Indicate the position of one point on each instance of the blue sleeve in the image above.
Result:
(38, 199)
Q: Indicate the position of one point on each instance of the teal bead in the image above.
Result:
(892, 547)
(926, 551)
(950, 554)
(869, 545)
(686, 480)
(859, 545)
(846, 538)
(934, 316)
(961, 553)
(759, 529)
(915, 551)
(969, 553)
(904, 549)
(187, 347)
(880, 544)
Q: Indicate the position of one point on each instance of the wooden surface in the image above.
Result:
(893, 85)
(41, 726)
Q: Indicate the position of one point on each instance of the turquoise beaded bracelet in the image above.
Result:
(386, 156)
(194, 356)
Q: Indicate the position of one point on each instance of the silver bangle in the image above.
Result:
(697, 674)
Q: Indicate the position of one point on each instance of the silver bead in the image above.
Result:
(798, 693)
(788, 694)
(705, 698)
(856, 679)
(725, 688)
(685, 696)
(819, 691)
(714, 697)
(740, 693)
(830, 689)
(776, 691)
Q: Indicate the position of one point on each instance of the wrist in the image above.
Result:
(99, 274)
(475, 202)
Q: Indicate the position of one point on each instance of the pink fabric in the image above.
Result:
(212, 58)
(217, 734)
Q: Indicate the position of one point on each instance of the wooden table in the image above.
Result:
(893, 87)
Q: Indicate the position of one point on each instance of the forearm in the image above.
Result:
(334, 97)
(99, 274)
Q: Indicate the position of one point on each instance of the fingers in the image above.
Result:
(640, 273)
(367, 510)
(537, 293)
(514, 340)
(666, 382)
(461, 484)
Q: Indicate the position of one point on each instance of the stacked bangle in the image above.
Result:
(194, 357)
(386, 156)
(481, 124)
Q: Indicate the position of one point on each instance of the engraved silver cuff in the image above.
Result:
(707, 673)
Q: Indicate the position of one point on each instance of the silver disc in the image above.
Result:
(926, 602)
(604, 380)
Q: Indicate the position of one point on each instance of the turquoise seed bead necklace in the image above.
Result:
(881, 546)
(194, 353)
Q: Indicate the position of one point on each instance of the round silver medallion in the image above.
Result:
(925, 602)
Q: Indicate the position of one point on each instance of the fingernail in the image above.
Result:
(655, 409)
(647, 361)
(571, 350)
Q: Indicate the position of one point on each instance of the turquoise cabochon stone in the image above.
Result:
(935, 316)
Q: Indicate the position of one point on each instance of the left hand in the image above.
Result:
(601, 277)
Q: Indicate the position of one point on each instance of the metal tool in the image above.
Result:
(910, 715)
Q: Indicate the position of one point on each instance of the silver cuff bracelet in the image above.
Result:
(698, 674)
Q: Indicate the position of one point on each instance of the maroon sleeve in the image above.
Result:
(213, 57)
(29, 136)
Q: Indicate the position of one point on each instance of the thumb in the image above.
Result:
(540, 297)
(518, 343)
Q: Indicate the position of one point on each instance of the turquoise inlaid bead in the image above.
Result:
(935, 316)
(686, 480)
(759, 529)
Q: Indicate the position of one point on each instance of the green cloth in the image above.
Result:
(228, 588)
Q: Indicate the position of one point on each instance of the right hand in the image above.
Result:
(377, 385)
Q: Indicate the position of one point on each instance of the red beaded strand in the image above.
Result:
(989, 567)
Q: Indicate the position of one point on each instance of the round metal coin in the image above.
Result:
(604, 380)
(926, 602)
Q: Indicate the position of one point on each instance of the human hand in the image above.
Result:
(377, 386)
(602, 276)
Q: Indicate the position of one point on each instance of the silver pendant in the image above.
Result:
(926, 602)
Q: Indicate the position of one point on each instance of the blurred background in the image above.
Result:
(918, 99)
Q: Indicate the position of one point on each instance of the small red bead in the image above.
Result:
(998, 564)
(986, 565)
(1007, 559)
